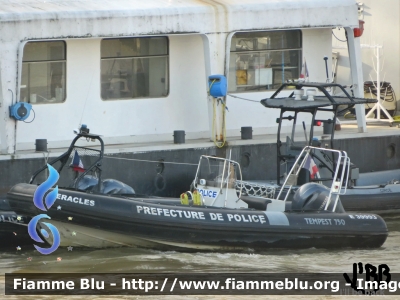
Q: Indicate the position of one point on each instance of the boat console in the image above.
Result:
(227, 189)
(294, 105)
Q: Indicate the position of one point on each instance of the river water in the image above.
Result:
(127, 260)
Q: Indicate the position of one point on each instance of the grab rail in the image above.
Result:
(343, 162)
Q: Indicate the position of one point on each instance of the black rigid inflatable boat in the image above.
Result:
(13, 230)
(91, 212)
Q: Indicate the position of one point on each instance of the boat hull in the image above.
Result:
(13, 230)
(379, 199)
(95, 220)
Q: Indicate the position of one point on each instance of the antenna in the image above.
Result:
(379, 105)
(326, 68)
(305, 133)
(87, 95)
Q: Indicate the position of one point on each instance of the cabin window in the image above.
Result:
(134, 68)
(263, 60)
(43, 72)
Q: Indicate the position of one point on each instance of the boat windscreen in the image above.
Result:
(217, 170)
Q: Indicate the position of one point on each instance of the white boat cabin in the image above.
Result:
(135, 71)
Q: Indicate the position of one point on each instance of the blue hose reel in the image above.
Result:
(20, 111)
(217, 85)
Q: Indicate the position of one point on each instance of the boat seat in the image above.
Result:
(256, 203)
(113, 187)
(88, 183)
(108, 186)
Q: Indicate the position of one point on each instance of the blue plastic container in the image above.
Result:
(217, 85)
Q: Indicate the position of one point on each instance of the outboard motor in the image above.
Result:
(312, 197)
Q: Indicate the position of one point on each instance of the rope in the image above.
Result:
(152, 161)
(387, 93)
(349, 115)
(214, 117)
(338, 38)
(215, 100)
(209, 88)
(254, 189)
(87, 96)
(243, 98)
